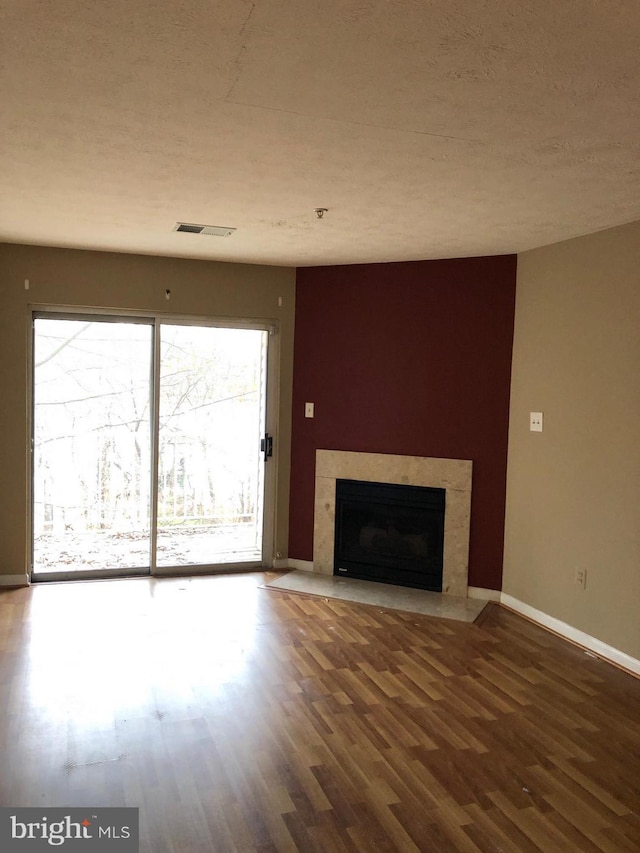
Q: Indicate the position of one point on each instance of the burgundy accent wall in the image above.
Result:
(413, 359)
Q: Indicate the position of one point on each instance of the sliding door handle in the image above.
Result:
(266, 446)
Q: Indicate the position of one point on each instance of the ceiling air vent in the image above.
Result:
(214, 230)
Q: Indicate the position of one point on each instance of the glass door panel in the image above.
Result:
(91, 445)
(210, 468)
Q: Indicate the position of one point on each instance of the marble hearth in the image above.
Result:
(453, 475)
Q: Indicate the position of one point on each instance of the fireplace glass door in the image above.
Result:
(390, 533)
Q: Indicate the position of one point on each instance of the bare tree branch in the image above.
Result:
(63, 345)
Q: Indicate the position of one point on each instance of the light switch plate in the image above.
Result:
(308, 410)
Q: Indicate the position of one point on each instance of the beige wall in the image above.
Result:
(573, 492)
(65, 277)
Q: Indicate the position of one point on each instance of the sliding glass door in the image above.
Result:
(210, 471)
(146, 445)
(91, 445)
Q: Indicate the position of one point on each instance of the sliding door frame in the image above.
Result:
(156, 320)
(271, 424)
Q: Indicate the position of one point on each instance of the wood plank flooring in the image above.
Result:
(239, 718)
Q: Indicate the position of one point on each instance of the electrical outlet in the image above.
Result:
(581, 578)
(535, 421)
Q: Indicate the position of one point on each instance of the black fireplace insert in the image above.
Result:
(390, 533)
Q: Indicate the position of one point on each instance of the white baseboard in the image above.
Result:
(483, 594)
(14, 580)
(302, 565)
(602, 650)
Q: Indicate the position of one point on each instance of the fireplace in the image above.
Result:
(390, 533)
(452, 475)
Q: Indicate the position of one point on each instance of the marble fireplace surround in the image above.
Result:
(453, 475)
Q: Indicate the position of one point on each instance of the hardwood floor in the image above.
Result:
(240, 718)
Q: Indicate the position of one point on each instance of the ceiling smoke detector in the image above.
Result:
(213, 230)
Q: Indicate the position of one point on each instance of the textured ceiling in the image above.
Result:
(428, 129)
